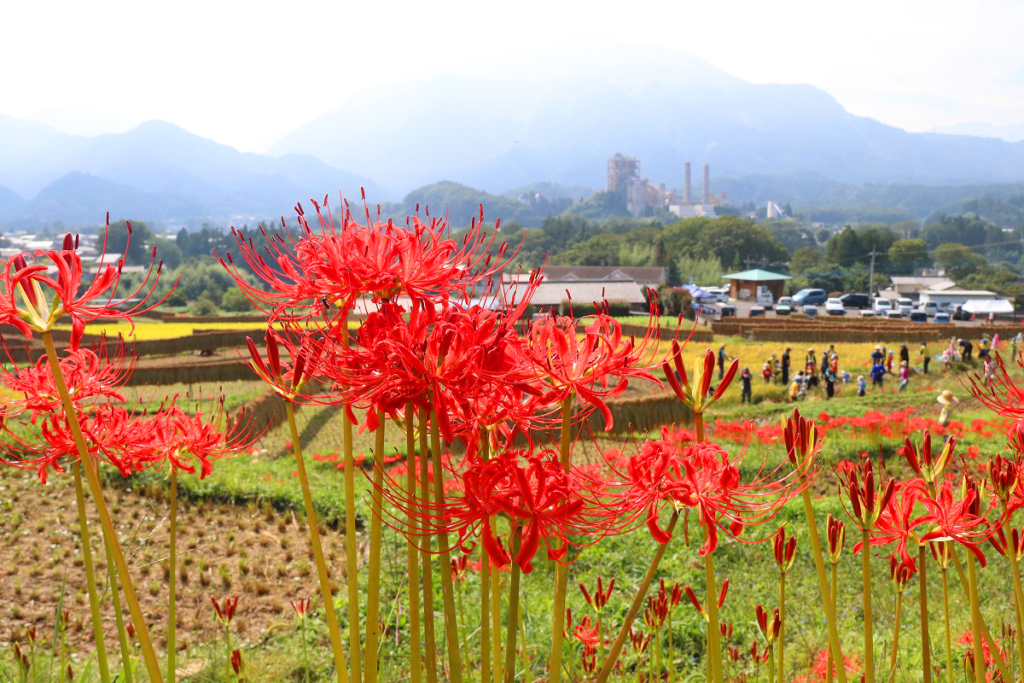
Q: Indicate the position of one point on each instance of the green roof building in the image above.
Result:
(744, 285)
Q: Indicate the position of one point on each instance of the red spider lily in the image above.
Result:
(286, 378)
(866, 502)
(957, 517)
(699, 606)
(701, 477)
(726, 629)
(236, 661)
(301, 606)
(588, 659)
(1002, 395)
(639, 642)
(928, 468)
(225, 611)
(783, 550)
(458, 566)
(836, 538)
(588, 635)
(802, 440)
(695, 396)
(1005, 545)
(674, 594)
(90, 375)
(22, 660)
(600, 596)
(758, 657)
(1004, 476)
(45, 300)
(901, 571)
(531, 489)
(820, 668)
(967, 639)
(770, 626)
(583, 366)
(656, 611)
(896, 522)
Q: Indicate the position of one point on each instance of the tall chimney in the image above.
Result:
(707, 186)
(686, 185)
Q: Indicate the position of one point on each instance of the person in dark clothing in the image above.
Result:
(877, 375)
(878, 355)
(830, 382)
(966, 348)
(904, 354)
(745, 377)
(785, 367)
(722, 358)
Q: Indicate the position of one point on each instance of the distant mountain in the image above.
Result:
(1013, 133)
(661, 106)
(461, 204)
(12, 204)
(161, 171)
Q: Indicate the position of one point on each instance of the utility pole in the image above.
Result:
(871, 276)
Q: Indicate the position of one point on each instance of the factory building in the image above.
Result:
(641, 194)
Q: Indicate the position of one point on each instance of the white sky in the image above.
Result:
(247, 73)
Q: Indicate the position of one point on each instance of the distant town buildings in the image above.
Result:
(642, 195)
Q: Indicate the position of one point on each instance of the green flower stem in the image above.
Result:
(341, 669)
(926, 645)
(826, 593)
(945, 614)
(426, 557)
(561, 570)
(671, 656)
(172, 564)
(714, 632)
(965, 584)
(485, 593)
(869, 636)
(834, 585)
(122, 632)
(90, 577)
(305, 655)
(782, 629)
(638, 599)
(1018, 604)
(522, 635)
(351, 544)
(771, 664)
(513, 613)
(496, 624)
(895, 636)
(451, 624)
(412, 556)
(972, 593)
(92, 477)
(376, 534)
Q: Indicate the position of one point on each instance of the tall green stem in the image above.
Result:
(496, 624)
(561, 570)
(782, 630)
(896, 635)
(869, 636)
(412, 559)
(513, 612)
(376, 533)
(330, 616)
(122, 632)
(945, 614)
(485, 593)
(1018, 603)
(993, 645)
(972, 590)
(826, 593)
(351, 542)
(427, 557)
(834, 585)
(90, 577)
(92, 477)
(172, 563)
(447, 589)
(714, 632)
(926, 645)
(638, 599)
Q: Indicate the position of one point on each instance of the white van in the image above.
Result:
(881, 306)
(765, 297)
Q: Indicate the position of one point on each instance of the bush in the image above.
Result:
(235, 301)
(204, 305)
(618, 308)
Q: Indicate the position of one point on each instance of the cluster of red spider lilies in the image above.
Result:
(492, 404)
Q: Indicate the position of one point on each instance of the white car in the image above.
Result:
(930, 308)
(721, 294)
(785, 306)
(894, 313)
(904, 306)
(835, 307)
(867, 313)
(881, 306)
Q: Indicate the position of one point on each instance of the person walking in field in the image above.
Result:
(877, 356)
(830, 382)
(947, 400)
(862, 385)
(904, 354)
(785, 366)
(925, 356)
(796, 389)
(988, 371)
(766, 372)
(878, 376)
(746, 395)
(904, 374)
(722, 360)
(888, 363)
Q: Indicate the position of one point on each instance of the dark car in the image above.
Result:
(856, 301)
(918, 317)
(960, 314)
(809, 297)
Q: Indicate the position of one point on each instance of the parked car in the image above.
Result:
(941, 317)
(881, 306)
(867, 313)
(810, 311)
(720, 294)
(918, 317)
(835, 307)
(960, 314)
(727, 310)
(785, 306)
(930, 308)
(765, 297)
(808, 297)
(893, 313)
(861, 301)
(756, 312)
(904, 306)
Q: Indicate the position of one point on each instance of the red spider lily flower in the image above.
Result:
(1004, 475)
(836, 532)
(1001, 395)
(865, 500)
(695, 395)
(301, 606)
(928, 468)
(90, 375)
(638, 641)
(1006, 543)
(822, 660)
(802, 440)
(225, 611)
(896, 522)
(674, 594)
(236, 661)
(702, 477)
(958, 517)
(585, 633)
(582, 364)
(901, 571)
(45, 300)
(697, 604)
(770, 626)
(458, 567)
(22, 660)
(286, 378)
(726, 629)
(588, 659)
(758, 658)
(783, 550)
(656, 611)
(601, 595)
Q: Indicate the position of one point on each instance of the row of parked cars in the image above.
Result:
(807, 301)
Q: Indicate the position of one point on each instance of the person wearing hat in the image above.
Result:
(745, 378)
(862, 386)
(904, 374)
(785, 366)
(947, 400)
(811, 363)
(877, 356)
(796, 386)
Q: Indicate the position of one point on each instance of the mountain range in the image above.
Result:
(500, 132)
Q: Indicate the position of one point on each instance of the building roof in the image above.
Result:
(583, 292)
(955, 291)
(902, 283)
(756, 275)
(640, 274)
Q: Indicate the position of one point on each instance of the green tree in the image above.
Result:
(844, 248)
(703, 271)
(235, 302)
(672, 276)
(957, 260)
(806, 260)
(905, 256)
(968, 229)
(135, 245)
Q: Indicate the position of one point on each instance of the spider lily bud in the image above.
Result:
(836, 538)
(784, 551)
(801, 438)
(695, 396)
(1003, 476)
(928, 468)
(769, 626)
(900, 572)
(941, 552)
(236, 661)
(600, 597)
(865, 502)
(721, 596)
(693, 600)
(1006, 544)
(226, 611)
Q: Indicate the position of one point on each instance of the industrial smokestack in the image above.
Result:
(686, 185)
(707, 185)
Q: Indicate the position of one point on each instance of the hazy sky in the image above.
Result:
(246, 73)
